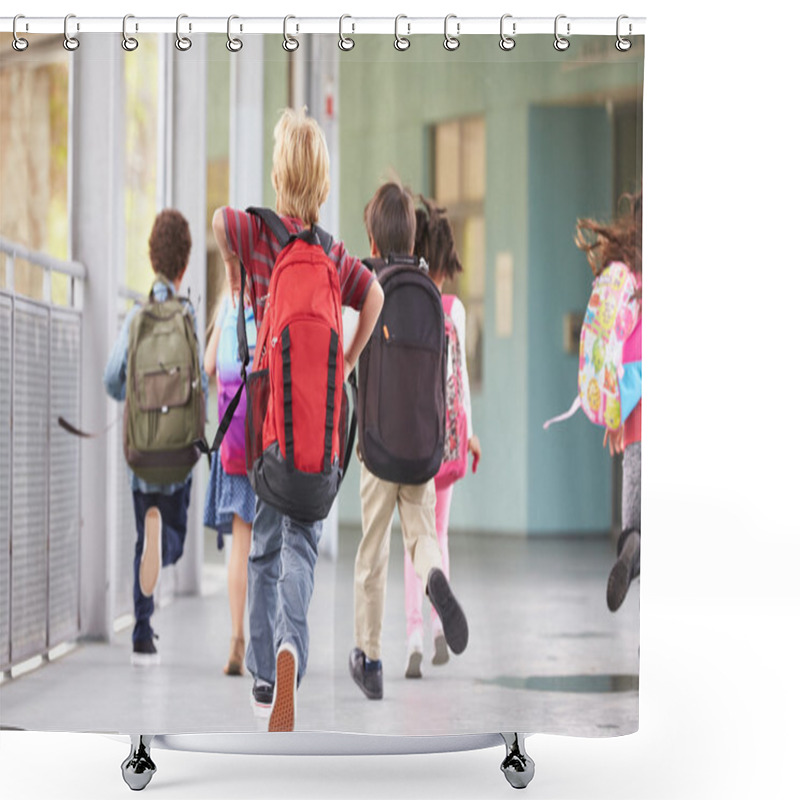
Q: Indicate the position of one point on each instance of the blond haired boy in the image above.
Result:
(284, 550)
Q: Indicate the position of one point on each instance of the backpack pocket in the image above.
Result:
(257, 388)
(166, 387)
(411, 419)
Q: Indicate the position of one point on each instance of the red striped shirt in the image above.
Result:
(257, 247)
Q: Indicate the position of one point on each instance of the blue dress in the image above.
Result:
(226, 494)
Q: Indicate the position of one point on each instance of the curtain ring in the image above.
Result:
(70, 42)
(128, 42)
(233, 44)
(19, 44)
(451, 42)
(401, 42)
(560, 42)
(507, 42)
(183, 43)
(290, 43)
(345, 42)
(623, 45)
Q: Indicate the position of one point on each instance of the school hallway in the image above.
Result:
(545, 655)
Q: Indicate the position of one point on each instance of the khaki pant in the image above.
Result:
(417, 507)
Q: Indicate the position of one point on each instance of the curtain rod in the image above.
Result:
(348, 25)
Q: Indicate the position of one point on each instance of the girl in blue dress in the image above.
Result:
(230, 500)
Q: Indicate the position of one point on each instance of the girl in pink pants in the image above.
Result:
(434, 242)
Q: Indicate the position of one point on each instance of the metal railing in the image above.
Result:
(40, 465)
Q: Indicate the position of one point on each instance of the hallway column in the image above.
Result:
(97, 238)
(247, 143)
(182, 185)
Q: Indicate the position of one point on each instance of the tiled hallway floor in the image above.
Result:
(545, 655)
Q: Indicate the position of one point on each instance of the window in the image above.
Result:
(141, 157)
(459, 170)
(218, 94)
(34, 135)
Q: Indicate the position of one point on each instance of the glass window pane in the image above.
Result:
(33, 159)
(141, 156)
(218, 92)
(473, 158)
(446, 156)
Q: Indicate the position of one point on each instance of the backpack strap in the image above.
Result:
(351, 437)
(273, 222)
(244, 356)
(151, 295)
(279, 230)
(324, 238)
(396, 260)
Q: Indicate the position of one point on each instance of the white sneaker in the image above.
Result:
(414, 667)
(283, 702)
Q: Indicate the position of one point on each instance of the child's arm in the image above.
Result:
(615, 439)
(370, 311)
(230, 258)
(117, 365)
(210, 358)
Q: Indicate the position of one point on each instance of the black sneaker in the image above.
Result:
(454, 623)
(369, 680)
(623, 572)
(144, 653)
(262, 697)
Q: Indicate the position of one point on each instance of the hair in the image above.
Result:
(170, 244)
(390, 219)
(434, 240)
(300, 166)
(620, 240)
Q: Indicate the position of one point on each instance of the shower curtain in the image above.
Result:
(514, 144)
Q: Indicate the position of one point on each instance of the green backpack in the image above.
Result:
(164, 403)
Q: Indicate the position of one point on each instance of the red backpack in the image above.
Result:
(297, 409)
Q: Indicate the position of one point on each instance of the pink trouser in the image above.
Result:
(414, 587)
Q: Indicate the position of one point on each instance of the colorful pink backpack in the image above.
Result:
(454, 461)
(611, 316)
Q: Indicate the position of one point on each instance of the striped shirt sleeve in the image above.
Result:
(241, 233)
(354, 278)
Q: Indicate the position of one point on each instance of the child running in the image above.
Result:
(391, 223)
(284, 549)
(160, 508)
(230, 500)
(604, 244)
(435, 243)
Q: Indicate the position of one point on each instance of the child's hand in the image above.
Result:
(234, 283)
(615, 440)
(474, 446)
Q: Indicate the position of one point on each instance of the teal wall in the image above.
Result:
(570, 175)
(387, 103)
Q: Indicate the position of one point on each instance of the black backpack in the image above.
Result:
(402, 377)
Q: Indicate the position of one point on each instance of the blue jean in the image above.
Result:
(173, 508)
(280, 580)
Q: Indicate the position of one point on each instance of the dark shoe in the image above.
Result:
(454, 623)
(283, 705)
(262, 697)
(370, 681)
(441, 655)
(144, 653)
(622, 573)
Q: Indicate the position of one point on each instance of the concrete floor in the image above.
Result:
(545, 655)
